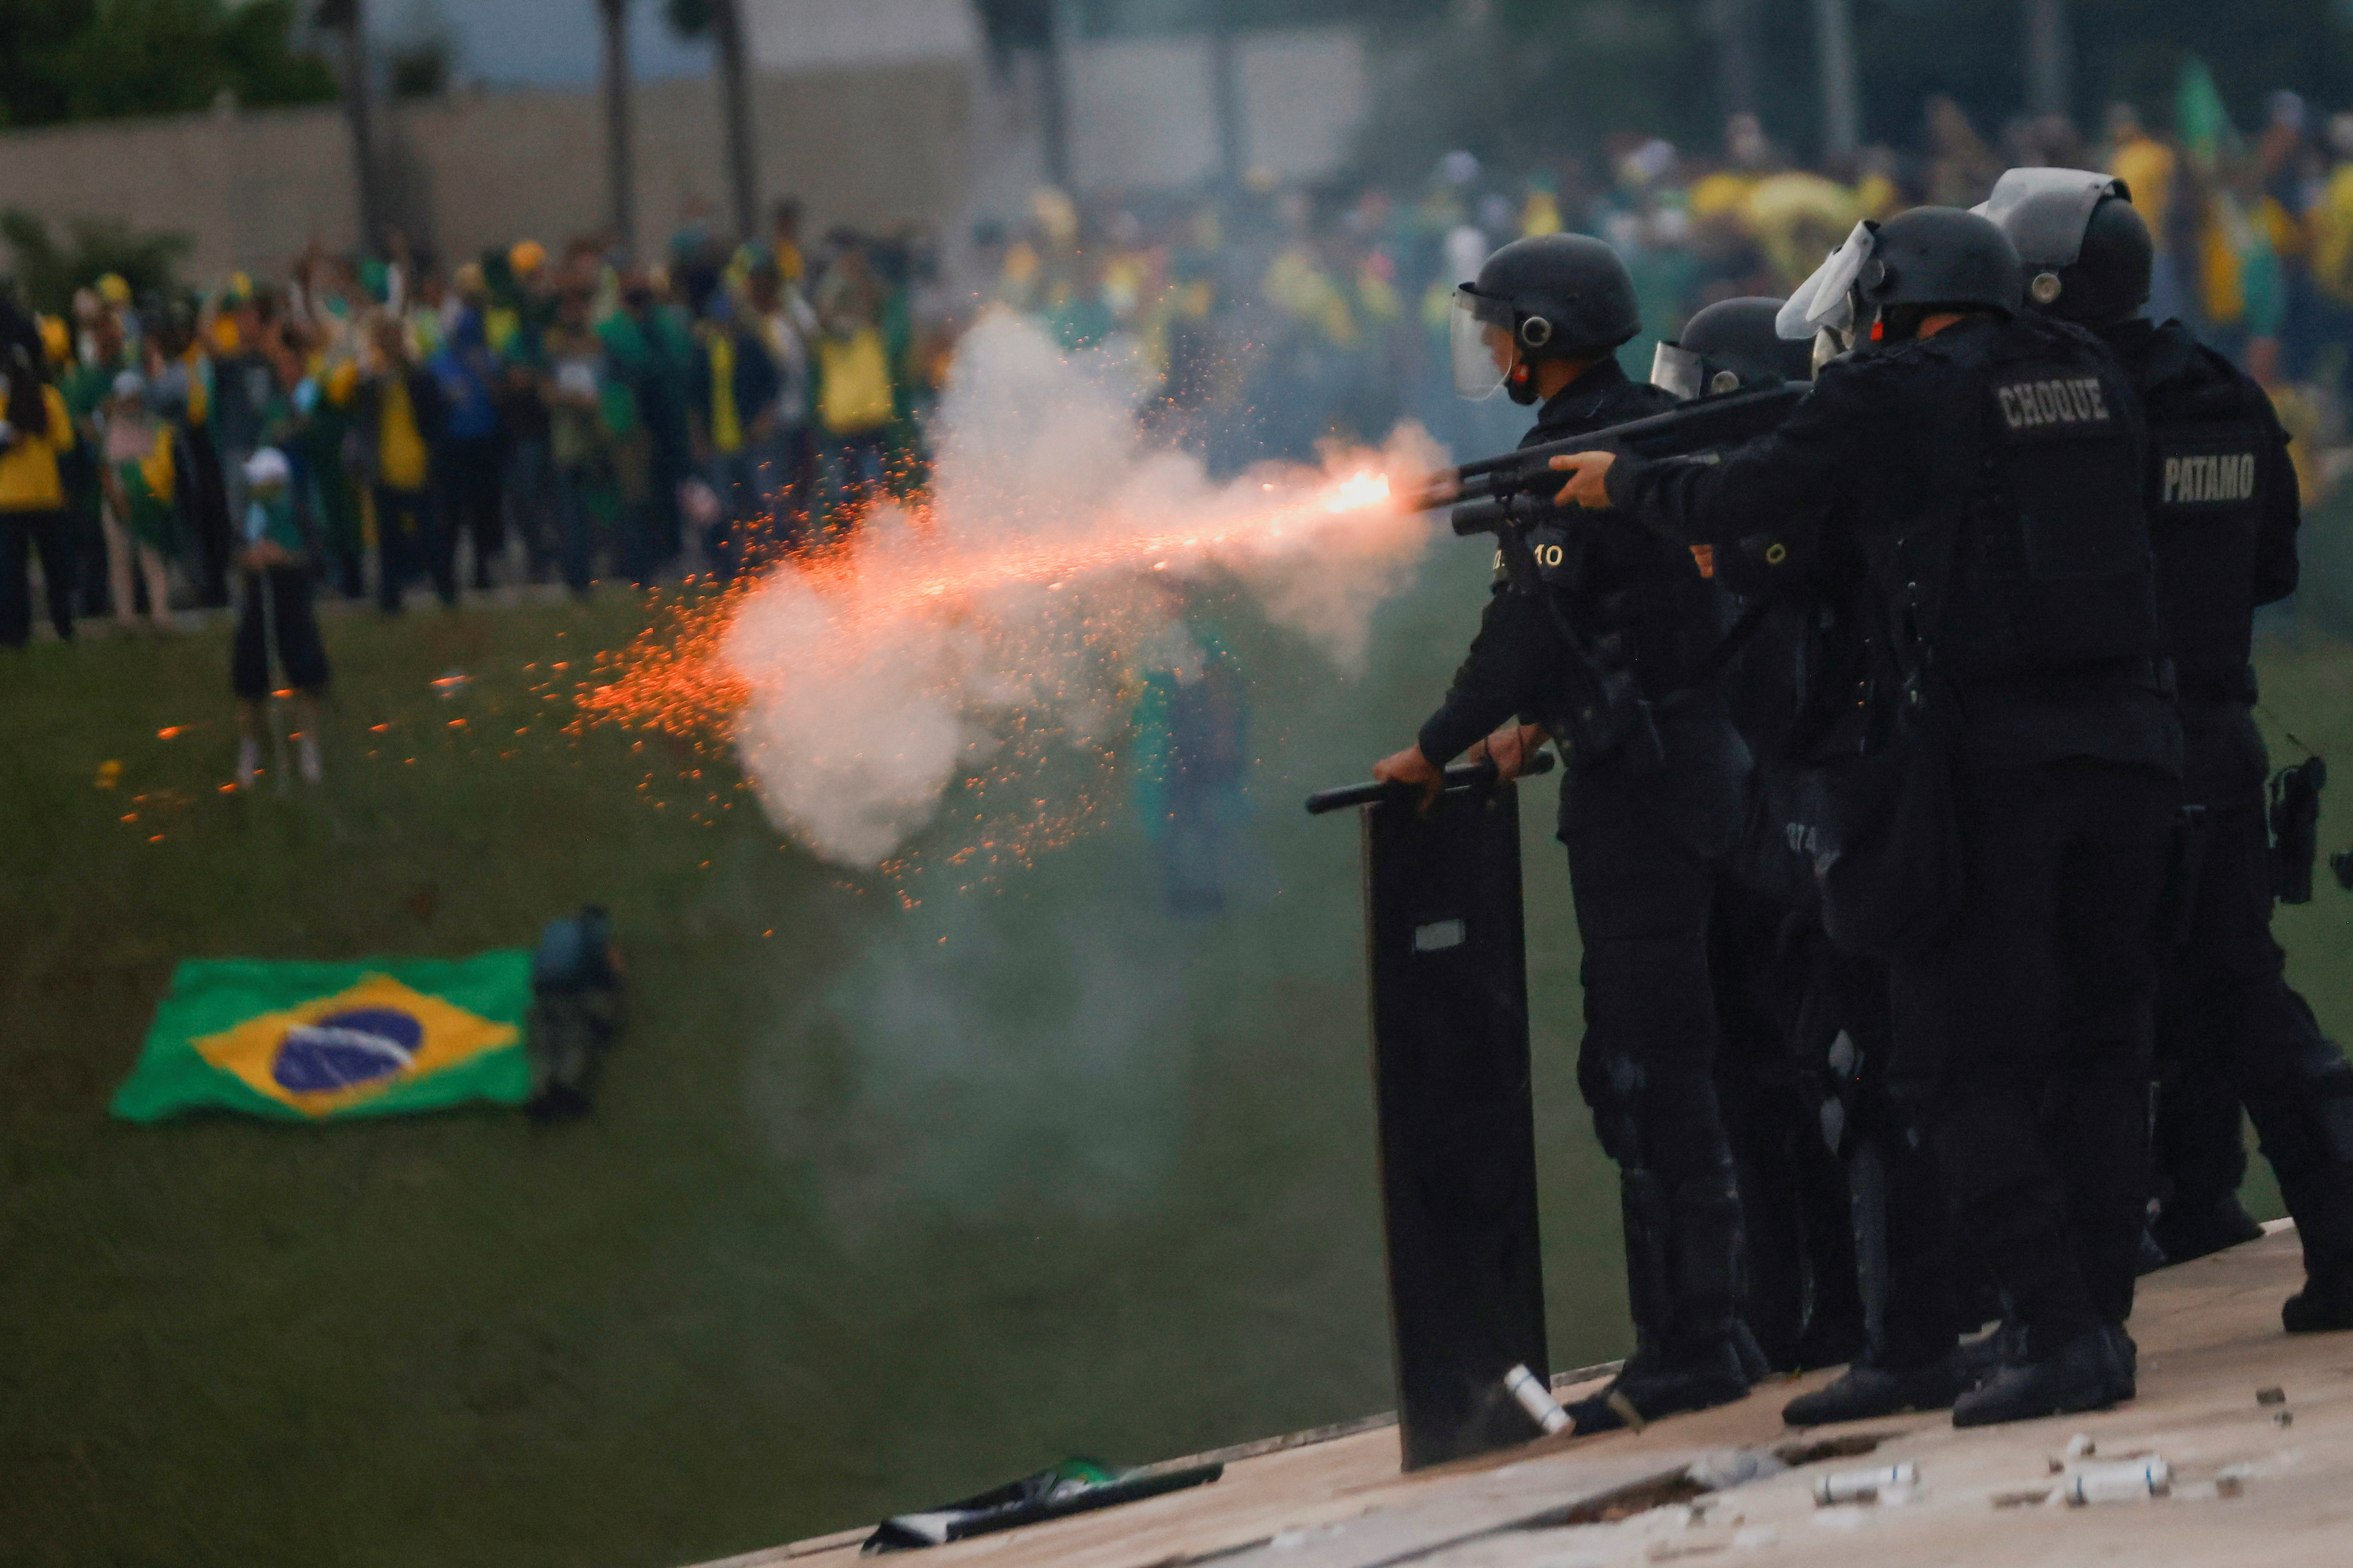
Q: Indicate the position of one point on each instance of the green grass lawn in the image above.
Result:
(878, 1204)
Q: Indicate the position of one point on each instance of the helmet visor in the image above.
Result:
(1674, 368)
(1480, 330)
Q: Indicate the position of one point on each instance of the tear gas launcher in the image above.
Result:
(1515, 491)
(1601, 711)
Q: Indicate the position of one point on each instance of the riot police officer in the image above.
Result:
(1848, 1247)
(2223, 518)
(1648, 814)
(2002, 803)
(1776, 980)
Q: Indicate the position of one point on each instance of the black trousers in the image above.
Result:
(20, 533)
(1646, 855)
(2022, 1043)
(410, 537)
(2231, 1031)
(1799, 1295)
(466, 474)
(288, 611)
(1921, 1286)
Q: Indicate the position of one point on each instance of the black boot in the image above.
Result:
(2087, 1374)
(1864, 1391)
(1657, 1384)
(2197, 1229)
(2324, 1305)
(2320, 1199)
(1681, 1253)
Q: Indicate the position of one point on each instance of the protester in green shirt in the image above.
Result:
(137, 469)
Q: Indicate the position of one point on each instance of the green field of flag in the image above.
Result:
(308, 1042)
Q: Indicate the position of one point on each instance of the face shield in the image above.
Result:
(1480, 334)
(1676, 369)
(2045, 211)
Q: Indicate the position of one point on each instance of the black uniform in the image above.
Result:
(1991, 477)
(1906, 1289)
(2223, 517)
(1783, 993)
(1646, 846)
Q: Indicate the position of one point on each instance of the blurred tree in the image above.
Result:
(88, 59)
(346, 22)
(419, 68)
(620, 161)
(47, 273)
(723, 22)
(1523, 79)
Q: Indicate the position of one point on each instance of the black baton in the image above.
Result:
(1480, 774)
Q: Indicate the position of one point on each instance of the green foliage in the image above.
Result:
(2129, 51)
(420, 68)
(94, 59)
(1546, 78)
(47, 273)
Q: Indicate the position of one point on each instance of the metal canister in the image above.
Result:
(1864, 1486)
(1537, 1400)
(2127, 1480)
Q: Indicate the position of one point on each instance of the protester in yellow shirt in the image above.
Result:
(2144, 163)
(400, 410)
(32, 494)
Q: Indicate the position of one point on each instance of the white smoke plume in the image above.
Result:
(1006, 618)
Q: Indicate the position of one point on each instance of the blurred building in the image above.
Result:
(877, 112)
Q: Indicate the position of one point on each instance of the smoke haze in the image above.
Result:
(976, 639)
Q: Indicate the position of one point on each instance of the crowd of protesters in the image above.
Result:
(1275, 317)
(572, 417)
(524, 417)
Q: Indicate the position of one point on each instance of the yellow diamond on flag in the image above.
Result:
(325, 1055)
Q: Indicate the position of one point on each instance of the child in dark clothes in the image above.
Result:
(275, 572)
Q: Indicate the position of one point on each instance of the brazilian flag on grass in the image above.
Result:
(306, 1042)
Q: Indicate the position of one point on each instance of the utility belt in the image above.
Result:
(1613, 711)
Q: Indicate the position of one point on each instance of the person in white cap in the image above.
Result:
(275, 569)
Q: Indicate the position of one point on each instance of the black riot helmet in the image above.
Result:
(1731, 346)
(2086, 253)
(1942, 258)
(1552, 295)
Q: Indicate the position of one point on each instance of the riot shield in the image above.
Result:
(1449, 1028)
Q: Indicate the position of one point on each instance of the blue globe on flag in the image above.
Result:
(344, 1049)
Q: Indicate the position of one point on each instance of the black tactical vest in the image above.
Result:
(2212, 443)
(1637, 602)
(2049, 544)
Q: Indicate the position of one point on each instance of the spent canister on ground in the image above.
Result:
(2128, 1480)
(1864, 1486)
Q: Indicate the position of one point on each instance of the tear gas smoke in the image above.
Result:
(1025, 1065)
(970, 640)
